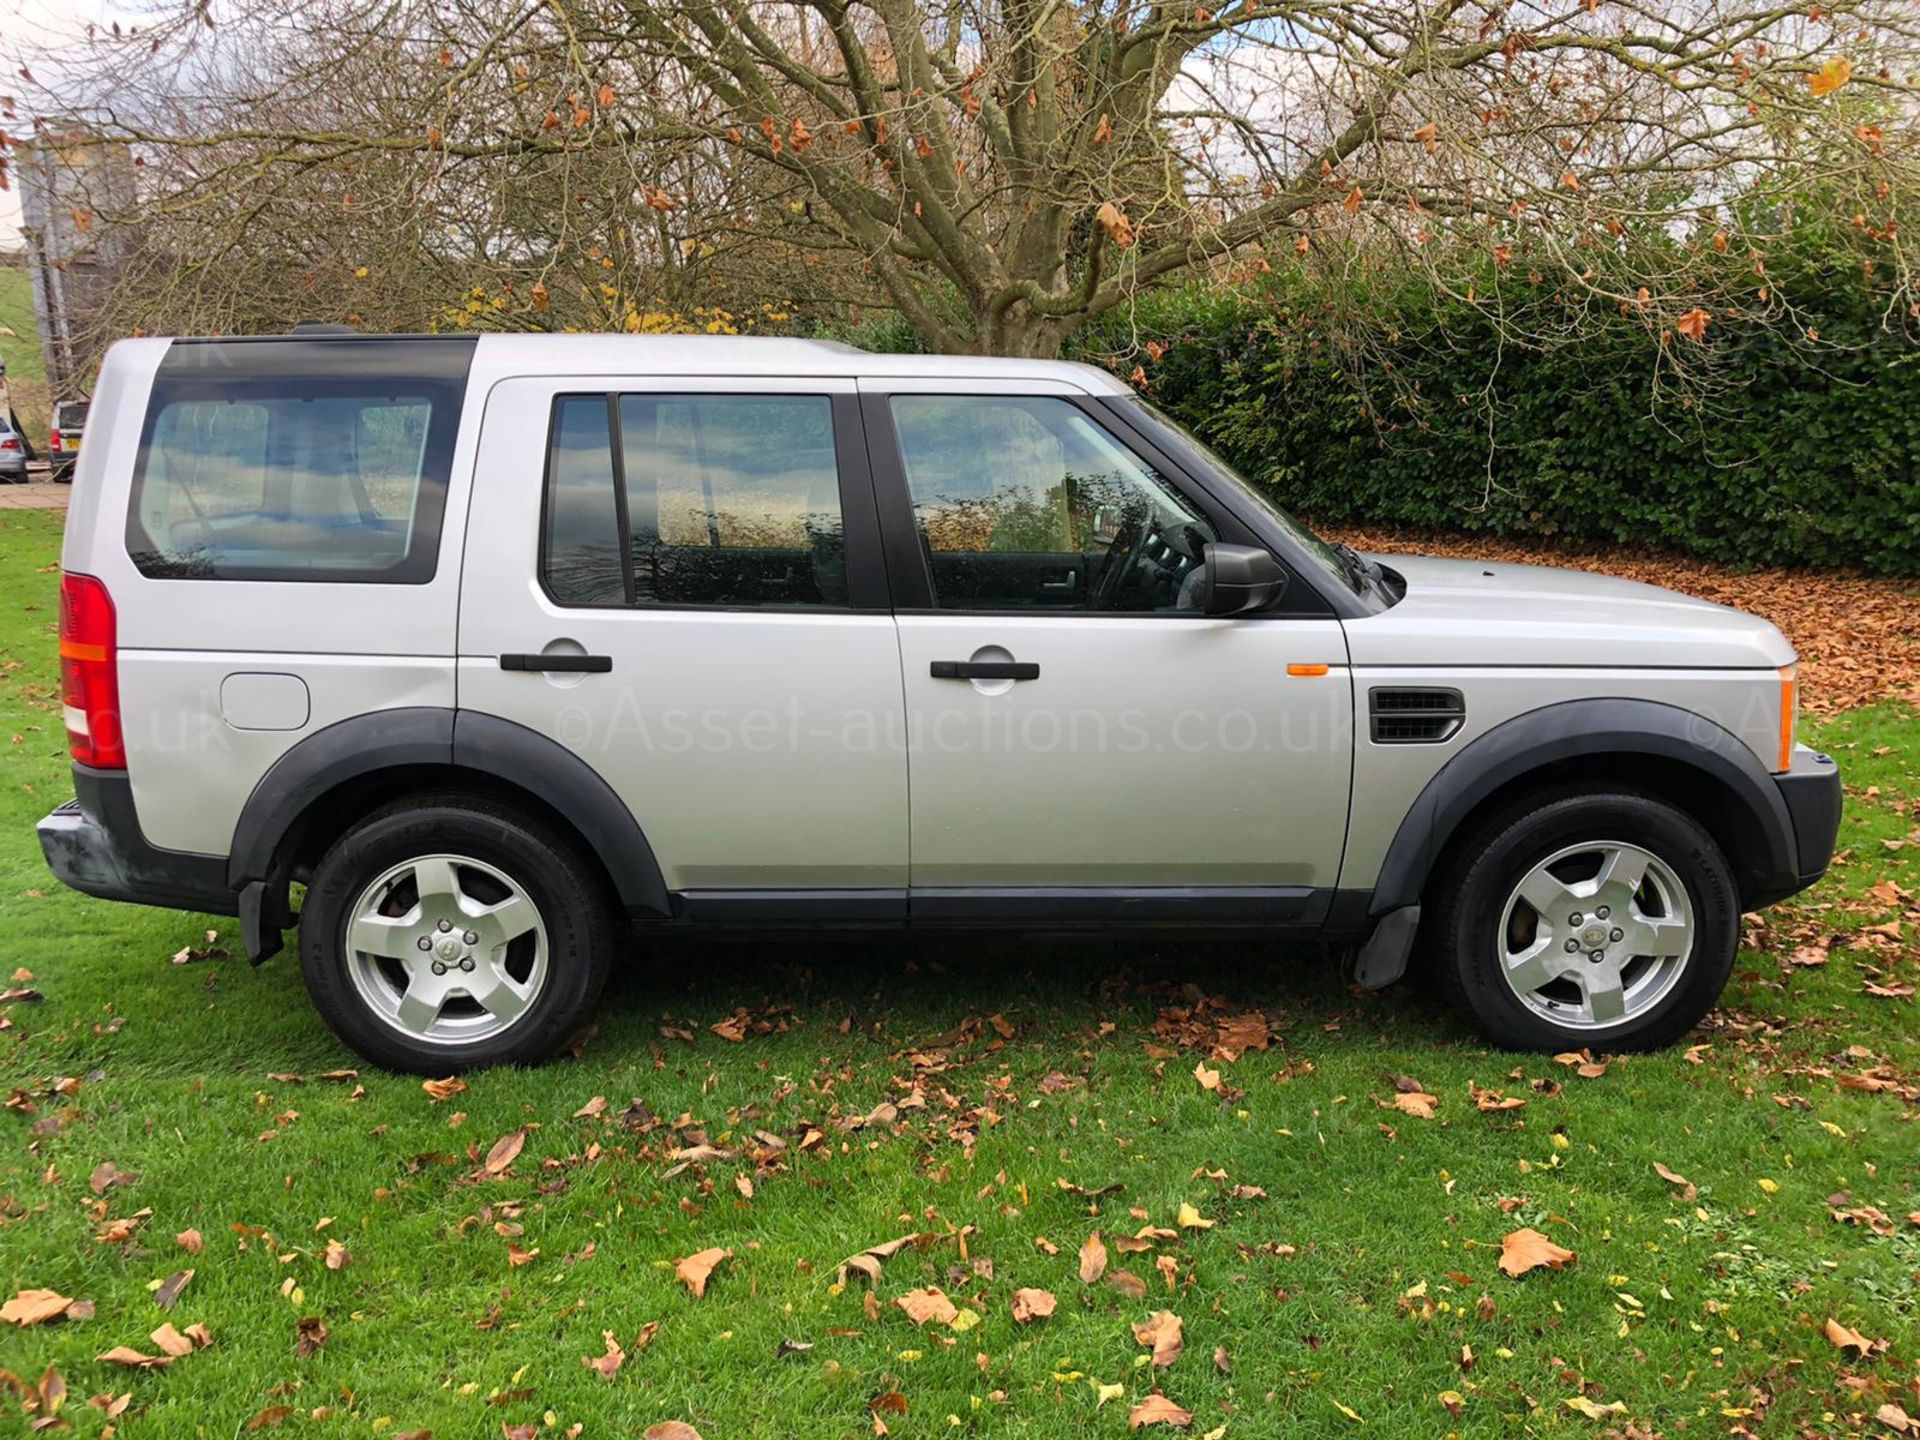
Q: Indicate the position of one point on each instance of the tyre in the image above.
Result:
(1600, 919)
(450, 932)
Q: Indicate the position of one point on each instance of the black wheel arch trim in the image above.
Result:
(485, 745)
(1585, 729)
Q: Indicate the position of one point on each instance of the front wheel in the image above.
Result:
(449, 932)
(1597, 919)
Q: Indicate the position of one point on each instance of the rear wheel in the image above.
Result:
(1593, 919)
(450, 932)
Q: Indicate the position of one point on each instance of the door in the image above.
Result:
(681, 582)
(1079, 729)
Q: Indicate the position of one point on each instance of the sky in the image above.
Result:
(30, 22)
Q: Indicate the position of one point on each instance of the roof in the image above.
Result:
(765, 355)
(698, 355)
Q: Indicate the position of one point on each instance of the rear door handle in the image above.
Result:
(985, 670)
(590, 664)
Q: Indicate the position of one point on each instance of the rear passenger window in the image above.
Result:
(252, 470)
(729, 500)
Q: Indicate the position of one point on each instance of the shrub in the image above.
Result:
(1762, 448)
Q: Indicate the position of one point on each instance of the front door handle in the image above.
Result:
(588, 664)
(985, 670)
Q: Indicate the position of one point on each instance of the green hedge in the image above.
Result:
(1772, 451)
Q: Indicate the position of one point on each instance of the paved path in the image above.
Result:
(34, 497)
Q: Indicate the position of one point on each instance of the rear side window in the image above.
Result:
(70, 414)
(694, 500)
(335, 469)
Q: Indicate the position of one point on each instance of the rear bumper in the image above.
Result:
(1811, 790)
(93, 843)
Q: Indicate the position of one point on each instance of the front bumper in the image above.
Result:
(1811, 790)
(93, 843)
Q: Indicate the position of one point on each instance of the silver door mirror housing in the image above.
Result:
(1241, 579)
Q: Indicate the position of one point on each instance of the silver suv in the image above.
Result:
(492, 657)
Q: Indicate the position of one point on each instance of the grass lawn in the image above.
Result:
(25, 361)
(1336, 1273)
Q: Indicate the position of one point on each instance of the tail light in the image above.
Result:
(89, 677)
(53, 442)
(12, 442)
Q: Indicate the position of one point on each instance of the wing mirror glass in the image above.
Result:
(1241, 579)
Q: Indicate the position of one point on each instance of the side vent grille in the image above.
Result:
(1415, 717)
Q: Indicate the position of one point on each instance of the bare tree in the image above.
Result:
(1000, 172)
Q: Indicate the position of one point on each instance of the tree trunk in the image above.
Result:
(1018, 332)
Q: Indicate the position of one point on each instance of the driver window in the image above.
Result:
(1024, 502)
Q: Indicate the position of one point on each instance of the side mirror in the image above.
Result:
(1241, 579)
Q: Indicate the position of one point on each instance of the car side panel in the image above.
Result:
(193, 768)
(1387, 778)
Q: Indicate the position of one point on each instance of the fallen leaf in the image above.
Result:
(1593, 1410)
(1846, 1339)
(1687, 1189)
(1209, 1079)
(310, 1333)
(694, 1270)
(128, 1356)
(868, 1262)
(438, 1090)
(106, 1175)
(1416, 1103)
(1030, 1305)
(1526, 1249)
(190, 1241)
(1093, 1259)
(1127, 1283)
(1897, 1419)
(338, 1256)
(1491, 1102)
(1157, 1409)
(170, 1288)
(505, 1151)
(607, 1365)
(171, 1341)
(34, 1307)
(670, 1430)
(928, 1306)
(1164, 1334)
(1192, 1219)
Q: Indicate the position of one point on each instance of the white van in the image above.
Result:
(506, 652)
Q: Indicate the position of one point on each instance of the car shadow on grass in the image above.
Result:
(1063, 983)
(222, 1015)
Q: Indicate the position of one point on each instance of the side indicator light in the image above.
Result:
(1789, 694)
(1306, 669)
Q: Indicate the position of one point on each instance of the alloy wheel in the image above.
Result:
(447, 949)
(1595, 934)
